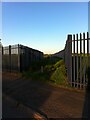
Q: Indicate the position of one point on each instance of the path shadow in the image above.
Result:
(86, 109)
(26, 92)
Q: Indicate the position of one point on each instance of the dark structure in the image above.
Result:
(59, 54)
(19, 57)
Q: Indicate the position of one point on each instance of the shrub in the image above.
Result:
(48, 68)
(58, 64)
(59, 75)
(54, 70)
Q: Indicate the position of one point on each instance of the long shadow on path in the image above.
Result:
(27, 92)
(86, 109)
(48, 100)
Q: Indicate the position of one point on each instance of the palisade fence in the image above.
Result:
(19, 57)
(77, 59)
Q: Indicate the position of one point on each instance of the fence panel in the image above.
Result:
(19, 57)
(14, 58)
(77, 59)
(5, 59)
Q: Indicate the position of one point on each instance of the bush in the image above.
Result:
(59, 75)
(58, 64)
(48, 68)
(54, 71)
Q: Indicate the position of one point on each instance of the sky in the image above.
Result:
(42, 25)
(89, 22)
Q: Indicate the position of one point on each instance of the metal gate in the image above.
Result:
(77, 59)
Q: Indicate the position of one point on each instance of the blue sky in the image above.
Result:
(89, 22)
(43, 26)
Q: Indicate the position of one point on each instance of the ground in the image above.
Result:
(47, 100)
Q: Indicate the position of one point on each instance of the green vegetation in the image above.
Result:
(53, 71)
(59, 75)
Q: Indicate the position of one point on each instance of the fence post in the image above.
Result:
(88, 55)
(74, 60)
(0, 80)
(80, 60)
(2, 50)
(1, 53)
(18, 57)
(77, 59)
(84, 60)
(10, 58)
(69, 58)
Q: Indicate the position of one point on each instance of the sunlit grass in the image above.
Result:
(54, 71)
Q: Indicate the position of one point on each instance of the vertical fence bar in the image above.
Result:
(87, 52)
(77, 59)
(2, 58)
(0, 79)
(84, 60)
(74, 59)
(2, 50)
(89, 61)
(80, 60)
(87, 43)
(18, 58)
(10, 58)
(69, 53)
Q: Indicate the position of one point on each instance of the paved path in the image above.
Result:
(11, 109)
(51, 101)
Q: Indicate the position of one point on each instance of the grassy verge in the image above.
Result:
(54, 71)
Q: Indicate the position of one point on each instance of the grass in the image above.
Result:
(54, 71)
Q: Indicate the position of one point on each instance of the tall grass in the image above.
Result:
(54, 71)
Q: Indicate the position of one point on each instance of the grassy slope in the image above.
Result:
(53, 71)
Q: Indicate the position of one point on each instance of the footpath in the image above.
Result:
(11, 109)
(34, 99)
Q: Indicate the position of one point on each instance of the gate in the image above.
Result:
(77, 59)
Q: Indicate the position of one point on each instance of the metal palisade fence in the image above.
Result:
(19, 57)
(77, 59)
